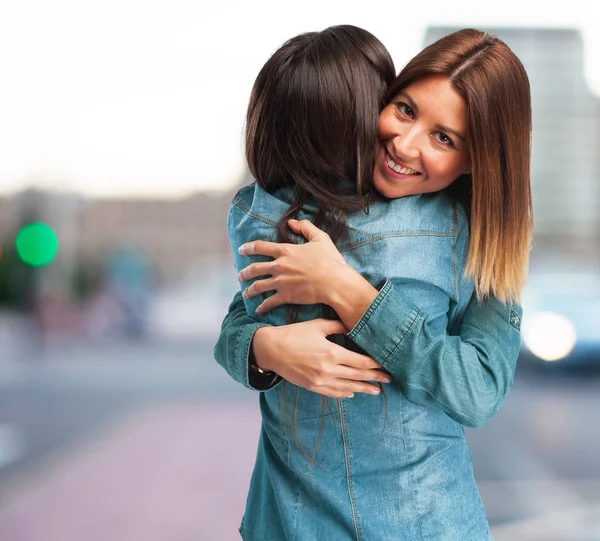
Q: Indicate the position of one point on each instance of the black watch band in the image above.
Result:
(258, 369)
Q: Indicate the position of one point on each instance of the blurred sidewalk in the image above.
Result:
(171, 473)
(180, 472)
(171, 439)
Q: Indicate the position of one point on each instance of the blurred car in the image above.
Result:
(561, 320)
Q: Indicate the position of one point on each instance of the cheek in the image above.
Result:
(385, 125)
(381, 128)
(444, 168)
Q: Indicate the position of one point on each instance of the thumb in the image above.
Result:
(306, 228)
(330, 326)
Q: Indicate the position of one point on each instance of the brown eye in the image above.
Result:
(443, 139)
(405, 109)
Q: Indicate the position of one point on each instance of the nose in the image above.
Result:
(406, 143)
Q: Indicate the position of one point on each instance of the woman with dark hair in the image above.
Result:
(433, 306)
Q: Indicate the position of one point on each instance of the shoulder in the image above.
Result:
(254, 215)
(425, 214)
(259, 204)
(244, 196)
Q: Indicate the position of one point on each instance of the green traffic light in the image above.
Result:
(37, 244)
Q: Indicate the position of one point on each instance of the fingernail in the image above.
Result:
(350, 395)
(245, 294)
(242, 249)
(387, 380)
(374, 391)
(239, 277)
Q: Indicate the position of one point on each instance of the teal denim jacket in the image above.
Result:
(393, 468)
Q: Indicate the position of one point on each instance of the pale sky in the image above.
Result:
(147, 98)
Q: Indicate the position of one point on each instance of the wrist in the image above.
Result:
(258, 350)
(351, 296)
(334, 284)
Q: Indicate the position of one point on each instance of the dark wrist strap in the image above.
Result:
(255, 368)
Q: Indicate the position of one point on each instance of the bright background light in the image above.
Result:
(549, 336)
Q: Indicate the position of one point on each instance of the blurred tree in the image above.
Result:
(16, 279)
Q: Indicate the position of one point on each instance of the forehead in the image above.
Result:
(438, 101)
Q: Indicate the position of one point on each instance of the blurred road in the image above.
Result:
(153, 442)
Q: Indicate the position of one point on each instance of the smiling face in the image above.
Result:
(422, 143)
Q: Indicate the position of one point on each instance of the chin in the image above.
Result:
(391, 192)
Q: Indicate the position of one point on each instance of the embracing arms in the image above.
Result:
(299, 352)
(467, 375)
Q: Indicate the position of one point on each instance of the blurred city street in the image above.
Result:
(145, 441)
(120, 161)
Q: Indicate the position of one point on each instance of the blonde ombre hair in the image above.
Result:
(497, 192)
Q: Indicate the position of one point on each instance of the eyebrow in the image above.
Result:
(440, 127)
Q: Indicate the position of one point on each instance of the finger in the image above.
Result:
(358, 360)
(306, 228)
(348, 387)
(269, 304)
(335, 393)
(258, 287)
(255, 270)
(348, 372)
(262, 247)
(329, 326)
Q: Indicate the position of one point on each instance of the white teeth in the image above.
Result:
(402, 170)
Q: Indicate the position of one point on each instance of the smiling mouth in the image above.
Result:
(398, 168)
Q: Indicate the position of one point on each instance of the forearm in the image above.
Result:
(350, 295)
(468, 376)
(233, 348)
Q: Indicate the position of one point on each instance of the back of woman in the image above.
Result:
(388, 467)
(328, 459)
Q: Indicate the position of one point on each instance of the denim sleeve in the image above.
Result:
(233, 348)
(468, 375)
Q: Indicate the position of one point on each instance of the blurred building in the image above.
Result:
(171, 235)
(566, 137)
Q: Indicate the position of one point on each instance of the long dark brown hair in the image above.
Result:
(311, 126)
(312, 121)
(495, 87)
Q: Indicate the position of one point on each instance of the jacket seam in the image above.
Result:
(411, 480)
(237, 203)
(272, 223)
(454, 296)
(246, 374)
(344, 428)
(397, 234)
(366, 316)
(401, 341)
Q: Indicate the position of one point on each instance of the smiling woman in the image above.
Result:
(417, 299)
(422, 142)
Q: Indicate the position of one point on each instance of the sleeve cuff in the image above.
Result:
(253, 380)
(384, 325)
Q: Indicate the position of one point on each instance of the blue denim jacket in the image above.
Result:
(393, 468)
